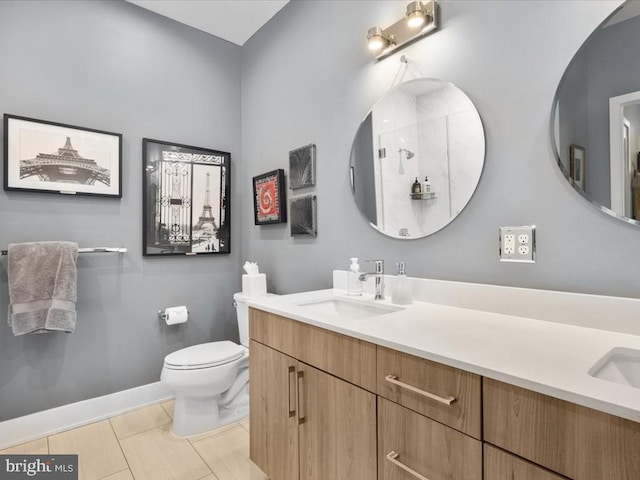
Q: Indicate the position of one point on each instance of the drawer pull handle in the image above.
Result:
(393, 458)
(292, 392)
(394, 379)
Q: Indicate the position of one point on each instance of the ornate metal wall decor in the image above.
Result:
(302, 167)
(304, 216)
(185, 199)
(42, 156)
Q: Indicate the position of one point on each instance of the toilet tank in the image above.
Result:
(242, 315)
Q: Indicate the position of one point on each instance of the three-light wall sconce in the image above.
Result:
(419, 21)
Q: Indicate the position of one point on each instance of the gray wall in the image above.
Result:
(116, 67)
(307, 77)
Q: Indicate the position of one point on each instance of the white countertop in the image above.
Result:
(547, 357)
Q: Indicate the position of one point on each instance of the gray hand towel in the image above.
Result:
(42, 287)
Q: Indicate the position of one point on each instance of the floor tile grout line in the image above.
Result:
(137, 433)
(205, 462)
(165, 410)
(121, 450)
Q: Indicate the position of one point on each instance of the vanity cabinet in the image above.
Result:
(574, 441)
(306, 423)
(329, 406)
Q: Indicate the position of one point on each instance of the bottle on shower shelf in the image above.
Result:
(416, 188)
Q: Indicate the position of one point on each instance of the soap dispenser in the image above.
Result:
(426, 185)
(354, 285)
(401, 293)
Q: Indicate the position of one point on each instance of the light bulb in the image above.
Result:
(375, 43)
(375, 39)
(415, 20)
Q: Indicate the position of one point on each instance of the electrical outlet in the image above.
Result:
(509, 244)
(524, 250)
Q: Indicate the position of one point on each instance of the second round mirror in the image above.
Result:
(417, 158)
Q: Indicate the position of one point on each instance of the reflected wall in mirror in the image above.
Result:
(422, 129)
(597, 107)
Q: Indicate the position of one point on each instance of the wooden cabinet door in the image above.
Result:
(412, 447)
(273, 443)
(500, 465)
(337, 430)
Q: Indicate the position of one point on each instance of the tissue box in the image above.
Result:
(254, 285)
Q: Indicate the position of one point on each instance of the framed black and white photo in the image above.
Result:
(303, 216)
(577, 160)
(186, 192)
(302, 167)
(43, 156)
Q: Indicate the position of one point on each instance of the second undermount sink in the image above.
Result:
(620, 365)
(348, 308)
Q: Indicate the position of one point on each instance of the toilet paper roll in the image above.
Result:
(175, 315)
(254, 285)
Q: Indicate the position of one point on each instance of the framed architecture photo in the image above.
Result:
(302, 167)
(42, 156)
(304, 216)
(269, 201)
(186, 192)
(577, 160)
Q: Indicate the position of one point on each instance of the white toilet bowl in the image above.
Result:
(211, 381)
(199, 375)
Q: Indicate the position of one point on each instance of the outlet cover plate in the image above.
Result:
(518, 244)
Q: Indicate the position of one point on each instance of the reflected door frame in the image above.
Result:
(619, 176)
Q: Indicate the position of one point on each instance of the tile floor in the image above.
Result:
(140, 446)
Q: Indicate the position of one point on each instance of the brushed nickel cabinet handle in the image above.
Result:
(394, 379)
(300, 378)
(393, 458)
(292, 392)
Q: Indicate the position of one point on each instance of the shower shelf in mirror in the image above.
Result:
(423, 196)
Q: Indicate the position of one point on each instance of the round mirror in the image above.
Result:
(417, 158)
(596, 120)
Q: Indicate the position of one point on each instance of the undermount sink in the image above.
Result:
(348, 308)
(620, 365)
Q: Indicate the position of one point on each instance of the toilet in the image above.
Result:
(211, 380)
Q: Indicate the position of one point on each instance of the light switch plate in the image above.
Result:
(518, 244)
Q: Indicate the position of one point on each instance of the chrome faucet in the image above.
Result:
(379, 276)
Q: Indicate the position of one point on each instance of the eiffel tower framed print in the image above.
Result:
(186, 192)
(48, 157)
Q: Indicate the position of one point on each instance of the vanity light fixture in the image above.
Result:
(420, 20)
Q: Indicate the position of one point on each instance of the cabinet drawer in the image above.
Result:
(428, 448)
(273, 330)
(575, 441)
(422, 379)
(500, 465)
(345, 357)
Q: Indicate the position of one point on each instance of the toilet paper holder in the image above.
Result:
(162, 315)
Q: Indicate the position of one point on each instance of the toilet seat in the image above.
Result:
(205, 355)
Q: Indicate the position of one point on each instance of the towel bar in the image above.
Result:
(91, 250)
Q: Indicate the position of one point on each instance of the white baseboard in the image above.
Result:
(23, 429)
